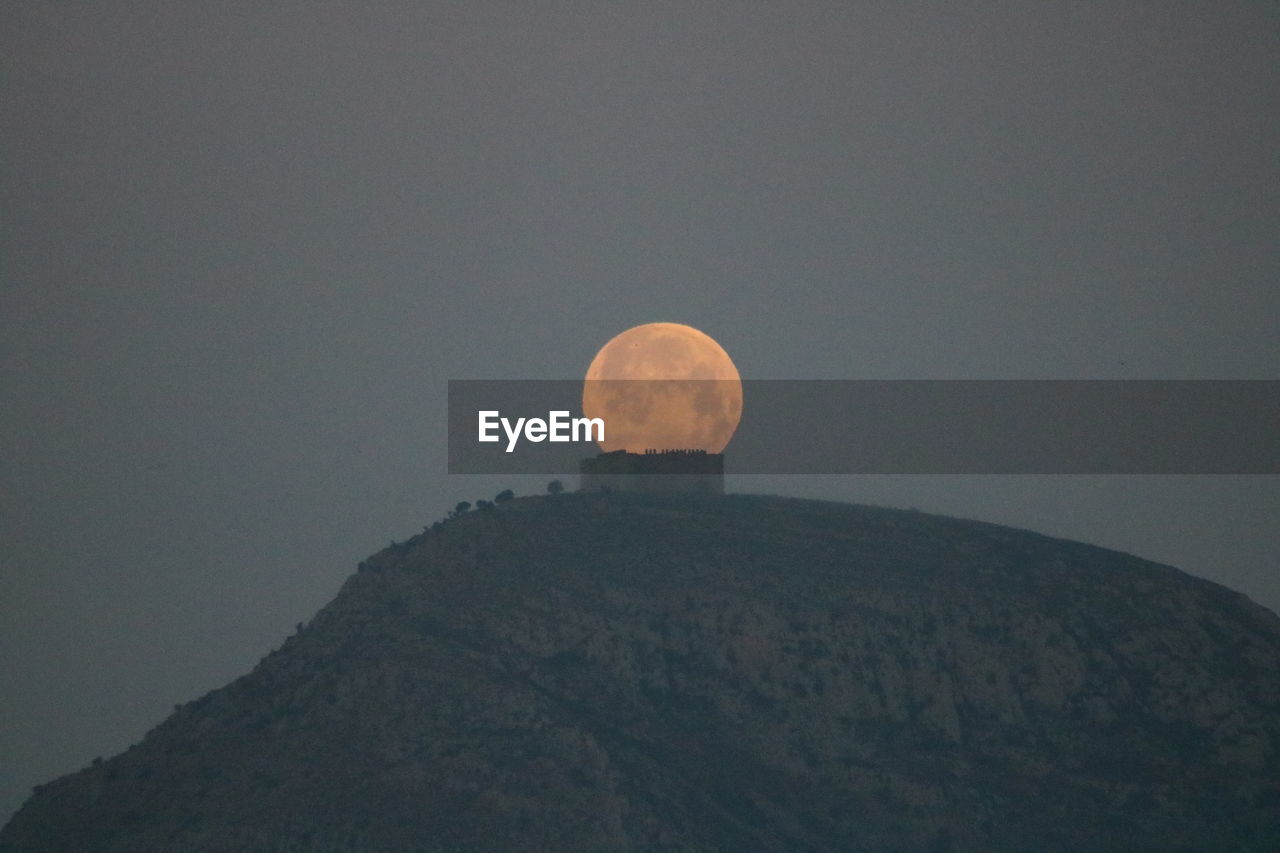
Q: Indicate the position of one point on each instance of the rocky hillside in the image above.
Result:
(740, 673)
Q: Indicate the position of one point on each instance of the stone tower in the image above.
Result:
(654, 471)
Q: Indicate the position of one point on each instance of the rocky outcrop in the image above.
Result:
(617, 672)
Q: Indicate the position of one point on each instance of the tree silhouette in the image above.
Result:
(462, 507)
(555, 487)
(504, 496)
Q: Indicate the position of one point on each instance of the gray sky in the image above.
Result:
(243, 249)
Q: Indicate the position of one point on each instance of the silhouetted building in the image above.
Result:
(654, 471)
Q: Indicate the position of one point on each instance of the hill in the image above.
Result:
(616, 672)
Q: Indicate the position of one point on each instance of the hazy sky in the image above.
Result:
(242, 249)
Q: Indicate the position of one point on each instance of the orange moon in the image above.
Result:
(691, 399)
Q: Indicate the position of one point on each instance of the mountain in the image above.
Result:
(618, 672)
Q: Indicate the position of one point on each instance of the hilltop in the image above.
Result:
(614, 672)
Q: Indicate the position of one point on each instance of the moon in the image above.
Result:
(691, 399)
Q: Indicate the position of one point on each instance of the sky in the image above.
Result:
(243, 247)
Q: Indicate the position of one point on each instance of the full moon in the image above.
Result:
(691, 399)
